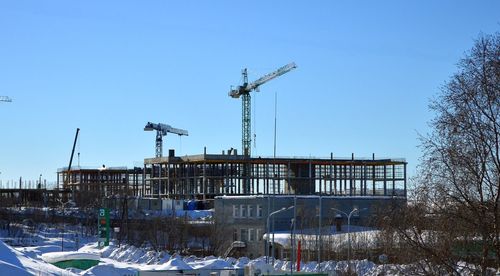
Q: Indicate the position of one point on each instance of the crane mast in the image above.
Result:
(162, 130)
(244, 91)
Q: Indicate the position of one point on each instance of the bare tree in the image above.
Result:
(218, 236)
(456, 215)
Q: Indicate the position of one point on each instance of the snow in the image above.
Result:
(8, 254)
(54, 257)
(341, 197)
(8, 268)
(13, 262)
(260, 265)
(125, 260)
(241, 262)
(109, 270)
(194, 215)
(360, 236)
(211, 264)
(175, 263)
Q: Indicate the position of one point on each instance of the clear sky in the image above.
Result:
(366, 71)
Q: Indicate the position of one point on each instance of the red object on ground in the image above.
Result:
(298, 256)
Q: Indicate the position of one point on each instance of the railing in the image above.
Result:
(28, 184)
(341, 158)
(76, 168)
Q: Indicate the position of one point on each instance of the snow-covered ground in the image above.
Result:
(24, 258)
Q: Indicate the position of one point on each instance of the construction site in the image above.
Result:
(207, 175)
(237, 189)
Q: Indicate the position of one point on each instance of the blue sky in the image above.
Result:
(366, 71)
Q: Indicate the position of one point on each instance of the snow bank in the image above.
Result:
(105, 251)
(10, 269)
(8, 255)
(338, 240)
(364, 266)
(36, 251)
(175, 263)
(108, 270)
(241, 263)
(127, 254)
(211, 264)
(91, 247)
(260, 266)
(13, 262)
(54, 257)
(128, 260)
(131, 254)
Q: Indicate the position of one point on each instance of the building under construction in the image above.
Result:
(88, 185)
(206, 176)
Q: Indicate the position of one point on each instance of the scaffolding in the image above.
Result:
(208, 175)
(101, 182)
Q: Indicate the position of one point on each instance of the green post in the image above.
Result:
(103, 227)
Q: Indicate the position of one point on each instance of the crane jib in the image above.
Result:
(246, 88)
(285, 69)
(162, 130)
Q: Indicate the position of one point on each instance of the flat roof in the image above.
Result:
(218, 158)
(89, 169)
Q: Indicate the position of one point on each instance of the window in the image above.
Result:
(244, 234)
(251, 234)
(259, 234)
(235, 234)
(236, 211)
(259, 211)
(243, 211)
(250, 211)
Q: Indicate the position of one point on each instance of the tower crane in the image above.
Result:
(162, 130)
(5, 99)
(244, 91)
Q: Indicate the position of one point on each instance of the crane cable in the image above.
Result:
(254, 105)
(180, 145)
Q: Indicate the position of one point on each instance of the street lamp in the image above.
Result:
(348, 233)
(269, 227)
